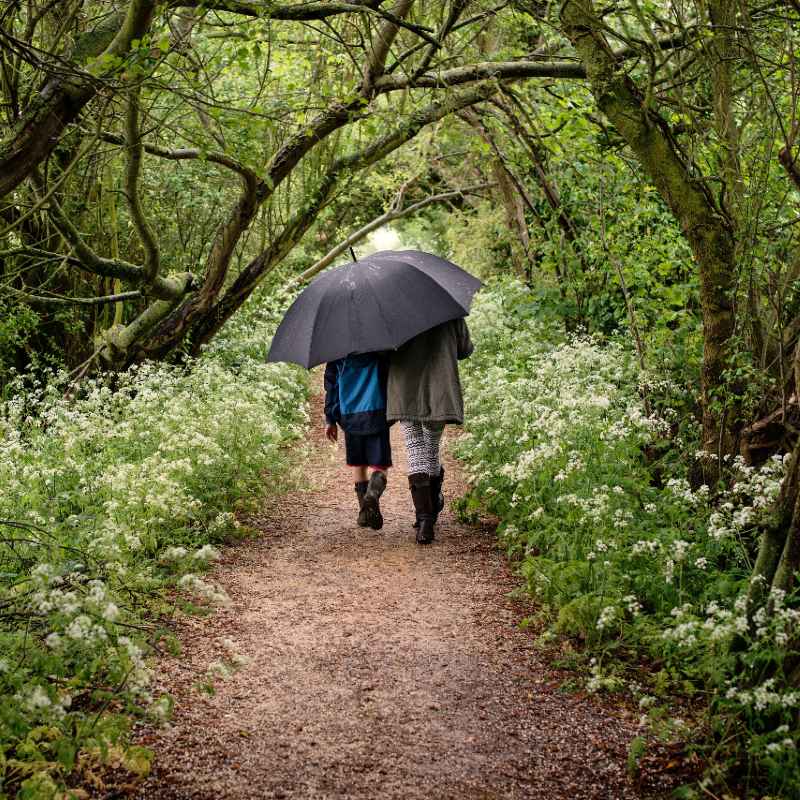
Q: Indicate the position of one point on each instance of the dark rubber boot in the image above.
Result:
(371, 509)
(420, 485)
(436, 495)
(361, 490)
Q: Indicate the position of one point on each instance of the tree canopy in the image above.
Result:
(634, 165)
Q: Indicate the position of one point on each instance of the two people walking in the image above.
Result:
(390, 329)
(416, 385)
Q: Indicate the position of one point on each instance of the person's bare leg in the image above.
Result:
(359, 474)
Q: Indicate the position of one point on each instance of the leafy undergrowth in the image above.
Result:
(111, 504)
(623, 554)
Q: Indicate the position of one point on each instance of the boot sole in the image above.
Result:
(437, 511)
(422, 538)
(372, 514)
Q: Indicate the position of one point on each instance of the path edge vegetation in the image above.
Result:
(642, 576)
(120, 521)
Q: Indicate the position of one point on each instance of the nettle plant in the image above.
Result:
(113, 499)
(630, 563)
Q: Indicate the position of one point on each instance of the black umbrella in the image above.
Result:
(377, 303)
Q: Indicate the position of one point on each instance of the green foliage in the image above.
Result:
(593, 492)
(632, 559)
(479, 242)
(112, 501)
(636, 749)
(17, 322)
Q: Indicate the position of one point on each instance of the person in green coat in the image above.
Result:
(424, 394)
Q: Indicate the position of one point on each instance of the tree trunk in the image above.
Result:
(515, 220)
(707, 228)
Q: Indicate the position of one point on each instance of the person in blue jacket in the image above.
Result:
(355, 400)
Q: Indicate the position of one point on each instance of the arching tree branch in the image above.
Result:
(46, 300)
(189, 154)
(305, 217)
(107, 267)
(397, 211)
(306, 12)
(512, 70)
(135, 153)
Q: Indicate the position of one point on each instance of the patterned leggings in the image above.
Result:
(422, 445)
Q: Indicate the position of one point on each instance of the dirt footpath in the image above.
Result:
(377, 668)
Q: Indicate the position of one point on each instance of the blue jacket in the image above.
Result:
(355, 393)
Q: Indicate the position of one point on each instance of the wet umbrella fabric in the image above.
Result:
(376, 303)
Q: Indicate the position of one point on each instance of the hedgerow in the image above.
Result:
(624, 554)
(113, 498)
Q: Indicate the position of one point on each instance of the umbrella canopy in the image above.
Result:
(377, 303)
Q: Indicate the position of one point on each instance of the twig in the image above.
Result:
(79, 301)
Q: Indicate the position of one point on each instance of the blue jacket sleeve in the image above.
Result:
(332, 411)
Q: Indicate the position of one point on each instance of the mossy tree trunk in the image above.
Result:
(705, 225)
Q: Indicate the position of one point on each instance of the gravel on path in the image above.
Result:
(376, 668)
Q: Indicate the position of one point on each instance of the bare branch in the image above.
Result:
(46, 300)
(189, 154)
(306, 12)
(500, 70)
(512, 70)
(299, 12)
(91, 261)
(395, 212)
(135, 152)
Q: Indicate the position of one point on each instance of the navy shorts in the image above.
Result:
(368, 450)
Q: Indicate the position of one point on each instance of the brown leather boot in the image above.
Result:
(420, 485)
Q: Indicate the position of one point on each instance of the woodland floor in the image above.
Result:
(377, 668)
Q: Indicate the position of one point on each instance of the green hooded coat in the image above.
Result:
(423, 375)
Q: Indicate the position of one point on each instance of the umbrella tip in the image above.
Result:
(353, 253)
